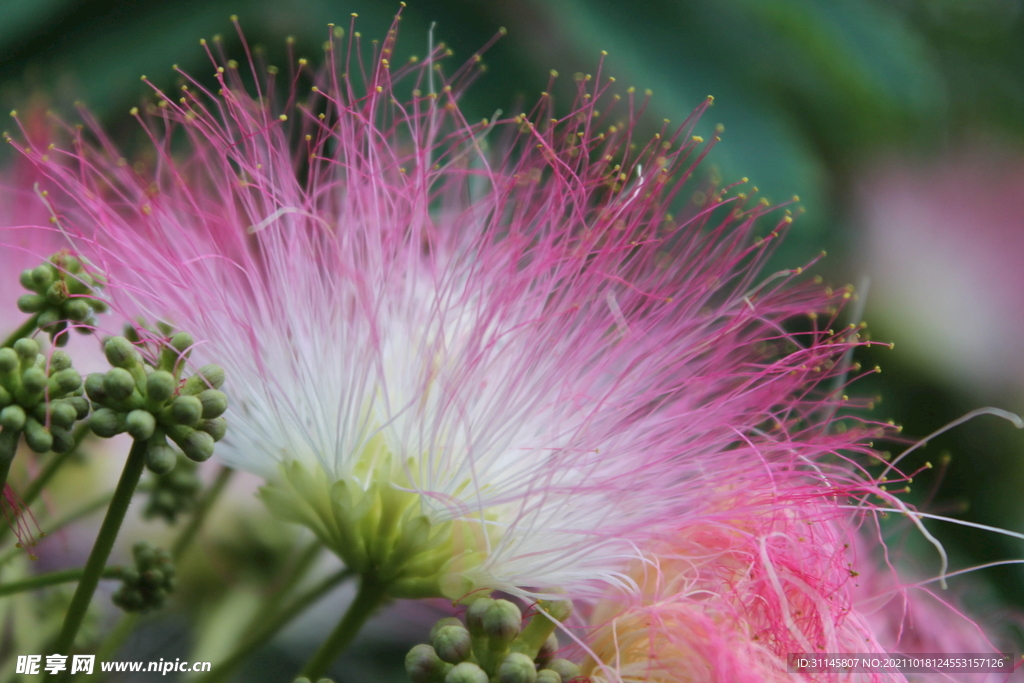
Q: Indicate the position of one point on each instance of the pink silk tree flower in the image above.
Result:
(468, 356)
(734, 596)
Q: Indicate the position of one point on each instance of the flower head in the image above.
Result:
(467, 355)
(737, 595)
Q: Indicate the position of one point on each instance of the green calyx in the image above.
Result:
(62, 293)
(378, 527)
(42, 399)
(494, 646)
(146, 586)
(152, 403)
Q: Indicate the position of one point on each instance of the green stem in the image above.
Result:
(27, 328)
(199, 516)
(297, 571)
(8, 447)
(126, 626)
(101, 549)
(371, 594)
(271, 626)
(54, 579)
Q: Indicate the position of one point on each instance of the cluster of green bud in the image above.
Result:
(174, 492)
(41, 399)
(153, 404)
(62, 294)
(147, 585)
(494, 646)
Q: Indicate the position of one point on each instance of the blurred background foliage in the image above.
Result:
(820, 98)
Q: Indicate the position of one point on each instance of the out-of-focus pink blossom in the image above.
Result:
(734, 596)
(943, 245)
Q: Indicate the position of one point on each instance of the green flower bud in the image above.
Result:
(548, 676)
(97, 305)
(144, 555)
(69, 263)
(48, 319)
(160, 458)
(452, 643)
(43, 276)
(26, 279)
(466, 673)
(94, 387)
(217, 427)
(151, 578)
(119, 384)
(63, 440)
(27, 349)
(13, 418)
(81, 406)
(8, 360)
(196, 445)
(147, 585)
(121, 353)
(37, 437)
(160, 386)
(422, 665)
(517, 668)
(5, 397)
(441, 623)
(31, 303)
(59, 360)
(560, 610)
(214, 403)
(64, 381)
(186, 410)
(77, 310)
(106, 423)
(208, 376)
(548, 650)
(140, 424)
(302, 679)
(81, 284)
(182, 342)
(564, 668)
(57, 293)
(33, 380)
(501, 623)
(475, 615)
(62, 414)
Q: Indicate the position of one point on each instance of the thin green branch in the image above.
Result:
(27, 328)
(54, 579)
(271, 625)
(199, 515)
(101, 549)
(370, 596)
